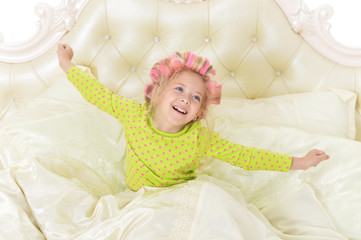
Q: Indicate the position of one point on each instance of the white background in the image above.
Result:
(18, 19)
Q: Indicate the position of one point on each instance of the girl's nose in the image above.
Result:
(185, 100)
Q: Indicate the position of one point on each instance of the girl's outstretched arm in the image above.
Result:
(311, 159)
(65, 55)
(93, 91)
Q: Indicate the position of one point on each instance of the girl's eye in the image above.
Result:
(180, 89)
(197, 98)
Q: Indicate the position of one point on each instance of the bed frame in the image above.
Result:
(258, 50)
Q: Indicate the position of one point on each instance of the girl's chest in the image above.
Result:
(179, 151)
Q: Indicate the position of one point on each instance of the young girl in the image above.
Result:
(164, 137)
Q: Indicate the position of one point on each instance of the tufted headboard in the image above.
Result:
(251, 44)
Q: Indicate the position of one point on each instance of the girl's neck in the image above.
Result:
(162, 126)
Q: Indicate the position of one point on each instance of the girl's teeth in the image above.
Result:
(180, 110)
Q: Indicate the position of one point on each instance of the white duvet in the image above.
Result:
(62, 177)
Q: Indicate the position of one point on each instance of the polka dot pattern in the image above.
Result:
(95, 93)
(248, 158)
(161, 159)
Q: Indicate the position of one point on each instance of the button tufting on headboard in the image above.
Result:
(156, 39)
(208, 40)
(250, 43)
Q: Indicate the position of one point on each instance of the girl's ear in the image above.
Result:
(148, 90)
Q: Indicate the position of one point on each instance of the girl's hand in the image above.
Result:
(65, 54)
(311, 159)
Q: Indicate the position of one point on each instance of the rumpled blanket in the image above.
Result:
(63, 177)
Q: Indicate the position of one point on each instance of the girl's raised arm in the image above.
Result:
(93, 91)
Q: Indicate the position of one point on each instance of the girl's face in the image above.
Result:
(180, 102)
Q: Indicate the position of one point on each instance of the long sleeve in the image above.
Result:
(97, 94)
(248, 158)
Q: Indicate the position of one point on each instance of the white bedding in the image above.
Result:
(62, 177)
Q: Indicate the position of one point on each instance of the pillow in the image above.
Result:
(329, 112)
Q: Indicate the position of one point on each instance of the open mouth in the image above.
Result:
(179, 110)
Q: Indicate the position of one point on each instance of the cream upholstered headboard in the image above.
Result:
(256, 51)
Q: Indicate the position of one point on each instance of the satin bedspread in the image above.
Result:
(62, 177)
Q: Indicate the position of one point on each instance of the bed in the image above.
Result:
(288, 86)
